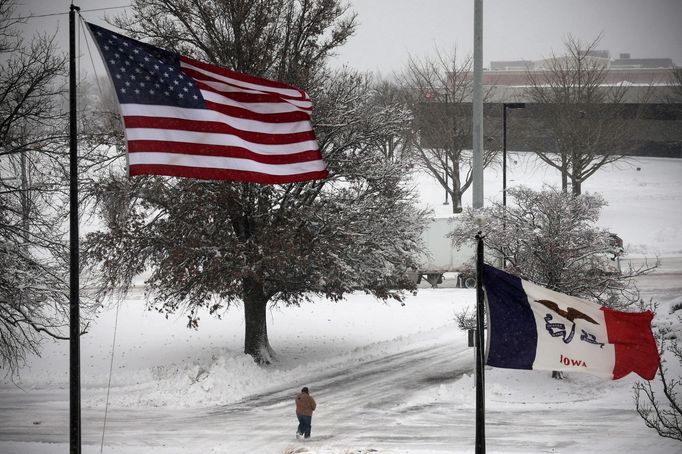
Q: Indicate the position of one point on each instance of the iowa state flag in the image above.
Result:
(532, 327)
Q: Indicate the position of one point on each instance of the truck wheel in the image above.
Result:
(470, 282)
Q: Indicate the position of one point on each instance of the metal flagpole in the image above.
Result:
(480, 350)
(477, 101)
(74, 320)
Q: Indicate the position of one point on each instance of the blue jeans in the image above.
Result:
(304, 425)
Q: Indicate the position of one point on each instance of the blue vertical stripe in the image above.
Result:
(512, 330)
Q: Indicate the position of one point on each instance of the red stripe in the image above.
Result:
(237, 112)
(140, 146)
(636, 350)
(263, 137)
(224, 174)
(239, 76)
(241, 96)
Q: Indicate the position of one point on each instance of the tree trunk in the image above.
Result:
(256, 328)
(576, 186)
(564, 173)
(456, 188)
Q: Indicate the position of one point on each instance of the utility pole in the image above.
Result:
(477, 165)
(477, 176)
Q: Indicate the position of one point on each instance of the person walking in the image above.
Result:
(305, 406)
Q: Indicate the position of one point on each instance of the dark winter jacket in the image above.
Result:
(305, 404)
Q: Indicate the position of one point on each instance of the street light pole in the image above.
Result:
(505, 106)
(446, 153)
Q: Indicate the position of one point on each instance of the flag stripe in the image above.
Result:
(217, 128)
(273, 113)
(510, 349)
(636, 349)
(208, 138)
(237, 111)
(224, 174)
(240, 79)
(245, 99)
(220, 162)
(244, 124)
(250, 96)
(212, 150)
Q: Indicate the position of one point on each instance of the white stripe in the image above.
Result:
(154, 111)
(225, 88)
(566, 352)
(210, 138)
(218, 162)
(248, 85)
(258, 107)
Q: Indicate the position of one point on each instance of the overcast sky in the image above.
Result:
(391, 30)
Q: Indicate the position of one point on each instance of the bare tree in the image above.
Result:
(439, 91)
(676, 82)
(395, 142)
(580, 112)
(210, 244)
(663, 412)
(33, 185)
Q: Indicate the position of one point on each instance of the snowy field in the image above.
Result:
(388, 378)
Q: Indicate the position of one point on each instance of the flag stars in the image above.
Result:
(147, 76)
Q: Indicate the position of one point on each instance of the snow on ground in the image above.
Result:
(643, 196)
(388, 377)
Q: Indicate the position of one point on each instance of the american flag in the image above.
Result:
(186, 118)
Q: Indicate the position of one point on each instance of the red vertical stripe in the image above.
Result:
(636, 349)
